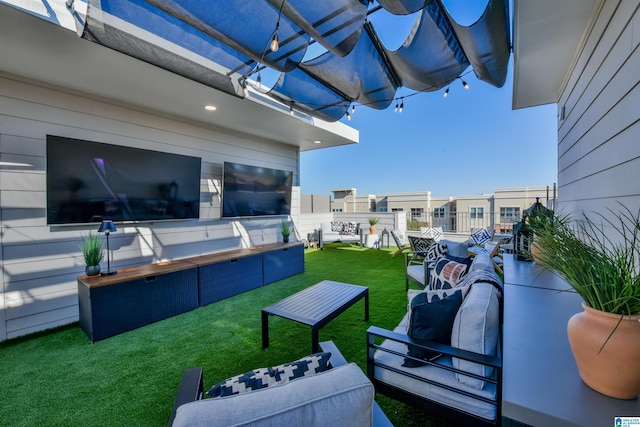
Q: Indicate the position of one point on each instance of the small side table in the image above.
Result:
(371, 240)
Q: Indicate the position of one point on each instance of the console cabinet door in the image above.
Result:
(230, 277)
(282, 263)
(112, 309)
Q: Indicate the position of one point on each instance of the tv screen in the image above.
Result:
(91, 181)
(255, 191)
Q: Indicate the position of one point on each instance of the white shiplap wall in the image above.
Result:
(40, 263)
(599, 137)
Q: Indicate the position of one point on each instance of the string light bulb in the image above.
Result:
(353, 108)
(259, 81)
(446, 92)
(401, 105)
(275, 45)
(465, 84)
(245, 89)
(348, 116)
(291, 110)
(395, 110)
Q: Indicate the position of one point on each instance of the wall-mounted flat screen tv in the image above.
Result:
(91, 181)
(255, 191)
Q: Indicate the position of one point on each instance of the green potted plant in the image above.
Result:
(285, 230)
(92, 252)
(372, 224)
(600, 261)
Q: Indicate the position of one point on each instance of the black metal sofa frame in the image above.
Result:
(376, 335)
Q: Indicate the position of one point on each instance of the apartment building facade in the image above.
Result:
(499, 210)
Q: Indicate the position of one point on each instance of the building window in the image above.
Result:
(509, 215)
(438, 213)
(397, 209)
(476, 212)
(337, 209)
(416, 214)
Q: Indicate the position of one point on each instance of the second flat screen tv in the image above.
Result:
(255, 191)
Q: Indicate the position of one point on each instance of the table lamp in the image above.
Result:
(107, 227)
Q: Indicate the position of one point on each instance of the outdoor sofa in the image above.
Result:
(339, 231)
(457, 373)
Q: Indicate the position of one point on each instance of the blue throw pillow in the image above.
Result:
(431, 319)
(269, 377)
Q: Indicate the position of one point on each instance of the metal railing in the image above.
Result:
(463, 222)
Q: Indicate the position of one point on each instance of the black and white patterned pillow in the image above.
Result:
(352, 228)
(447, 272)
(479, 237)
(420, 244)
(436, 250)
(269, 377)
(337, 226)
(434, 233)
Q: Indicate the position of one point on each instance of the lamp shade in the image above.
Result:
(107, 226)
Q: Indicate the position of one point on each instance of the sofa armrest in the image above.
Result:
(190, 390)
(337, 359)
(374, 331)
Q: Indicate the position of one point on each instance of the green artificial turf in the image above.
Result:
(58, 378)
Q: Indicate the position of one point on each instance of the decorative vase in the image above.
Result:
(372, 229)
(285, 239)
(613, 370)
(92, 270)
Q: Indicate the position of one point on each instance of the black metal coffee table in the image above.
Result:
(316, 306)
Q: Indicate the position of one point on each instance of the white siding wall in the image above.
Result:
(599, 138)
(40, 263)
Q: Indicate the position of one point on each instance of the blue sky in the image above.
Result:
(468, 143)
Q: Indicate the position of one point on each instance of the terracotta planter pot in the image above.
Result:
(614, 371)
(372, 229)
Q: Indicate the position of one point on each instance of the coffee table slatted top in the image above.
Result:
(316, 306)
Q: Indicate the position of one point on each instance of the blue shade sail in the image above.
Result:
(486, 42)
(136, 28)
(362, 76)
(304, 93)
(221, 43)
(431, 57)
(335, 24)
(245, 25)
(403, 7)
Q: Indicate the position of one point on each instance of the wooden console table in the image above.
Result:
(541, 384)
(138, 296)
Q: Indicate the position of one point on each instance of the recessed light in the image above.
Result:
(210, 107)
(317, 141)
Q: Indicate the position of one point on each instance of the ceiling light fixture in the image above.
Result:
(317, 141)
(210, 107)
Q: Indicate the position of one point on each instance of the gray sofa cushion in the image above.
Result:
(340, 396)
(476, 328)
(430, 391)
